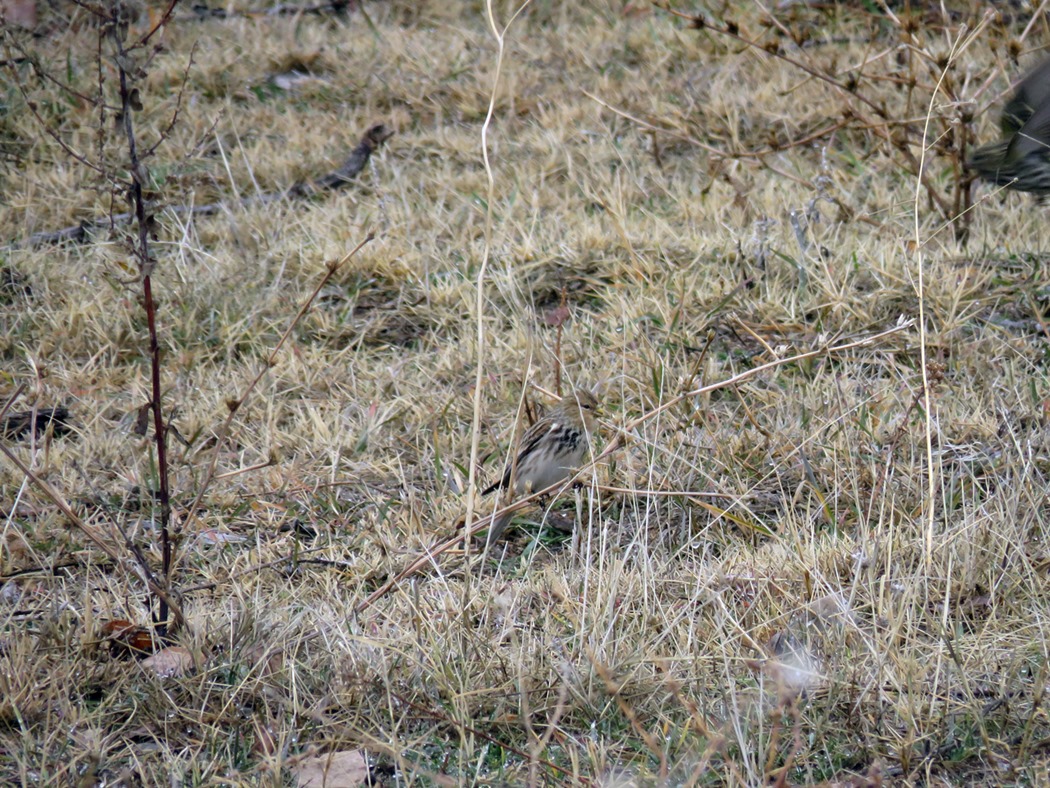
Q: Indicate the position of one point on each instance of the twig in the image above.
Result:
(165, 17)
(129, 102)
(359, 156)
(355, 163)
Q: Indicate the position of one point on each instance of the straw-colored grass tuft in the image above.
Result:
(832, 569)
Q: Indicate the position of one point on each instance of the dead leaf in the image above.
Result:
(171, 661)
(346, 769)
(557, 316)
(125, 638)
(142, 420)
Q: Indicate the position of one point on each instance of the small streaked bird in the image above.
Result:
(1021, 159)
(550, 450)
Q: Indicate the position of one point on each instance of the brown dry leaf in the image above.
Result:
(344, 769)
(557, 316)
(172, 661)
(125, 638)
(142, 420)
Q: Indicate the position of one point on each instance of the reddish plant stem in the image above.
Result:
(138, 175)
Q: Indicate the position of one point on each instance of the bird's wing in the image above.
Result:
(1033, 136)
(1032, 92)
(529, 441)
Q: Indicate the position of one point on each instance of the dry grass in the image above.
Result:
(770, 582)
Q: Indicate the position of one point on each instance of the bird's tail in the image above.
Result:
(499, 525)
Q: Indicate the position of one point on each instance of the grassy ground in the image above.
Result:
(813, 574)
